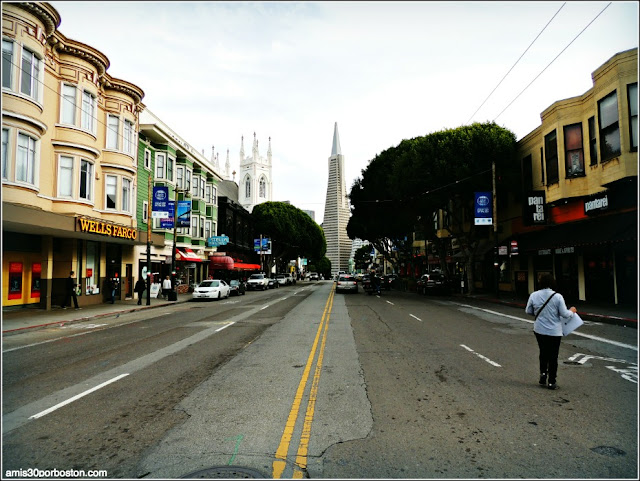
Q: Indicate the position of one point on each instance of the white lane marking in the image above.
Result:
(263, 308)
(415, 317)
(574, 333)
(481, 356)
(390, 303)
(284, 298)
(82, 326)
(78, 396)
(225, 326)
(586, 357)
(628, 374)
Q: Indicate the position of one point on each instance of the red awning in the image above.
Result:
(187, 255)
(242, 265)
(221, 262)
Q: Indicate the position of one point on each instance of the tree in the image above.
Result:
(362, 257)
(292, 232)
(404, 186)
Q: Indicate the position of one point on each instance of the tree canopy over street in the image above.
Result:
(292, 232)
(404, 186)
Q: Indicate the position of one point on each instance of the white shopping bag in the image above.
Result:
(571, 324)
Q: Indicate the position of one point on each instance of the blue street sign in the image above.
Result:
(218, 240)
(483, 208)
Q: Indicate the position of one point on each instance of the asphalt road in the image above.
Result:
(299, 382)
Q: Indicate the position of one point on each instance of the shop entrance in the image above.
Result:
(114, 264)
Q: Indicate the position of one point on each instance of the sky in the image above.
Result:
(384, 71)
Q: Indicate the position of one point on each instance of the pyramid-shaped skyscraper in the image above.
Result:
(337, 211)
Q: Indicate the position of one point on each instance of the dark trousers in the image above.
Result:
(549, 349)
(67, 300)
(140, 297)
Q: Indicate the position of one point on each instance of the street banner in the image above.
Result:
(167, 222)
(483, 208)
(266, 246)
(160, 204)
(184, 213)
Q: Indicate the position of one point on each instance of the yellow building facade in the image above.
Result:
(69, 165)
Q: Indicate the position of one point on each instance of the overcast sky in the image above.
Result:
(384, 71)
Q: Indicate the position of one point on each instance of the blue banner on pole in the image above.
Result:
(483, 208)
(184, 213)
(160, 203)
(167, 222)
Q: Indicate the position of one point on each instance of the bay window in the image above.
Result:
(207, 229)
(214, 195)
(179, 177)
(65, 176)
(7, 64)
(208, 193)
(113, 126)
(128, 137)
(609, 127)
(68, 104)
(5, 153)
(26, 159)
(187, 185)
(126, 195)
(30, 80)
(574, 154)
(551, 156)
(160, 158)
(593, 151)
(194, 191)
(194, 226)
(87, 113)
(202, 185)
(111, 188)
(86, 180)
(632, 98)
(170, 162)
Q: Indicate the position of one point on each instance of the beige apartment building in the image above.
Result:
(69, 165)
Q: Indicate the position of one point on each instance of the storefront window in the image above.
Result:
(92, 273)
(78, 271)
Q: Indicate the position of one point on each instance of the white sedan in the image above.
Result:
(212, 289)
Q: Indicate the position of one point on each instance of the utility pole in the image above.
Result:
(149, 242)
(496, 259)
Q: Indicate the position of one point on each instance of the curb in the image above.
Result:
(86, 318)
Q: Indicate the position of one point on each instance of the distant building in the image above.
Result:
(336, 211)
(256, 185)
(310, 213)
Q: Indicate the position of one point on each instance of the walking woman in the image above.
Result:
(550, 310)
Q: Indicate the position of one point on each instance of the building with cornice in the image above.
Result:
(337, 211)
(69, 165)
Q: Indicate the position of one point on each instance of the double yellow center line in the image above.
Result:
(280, 463)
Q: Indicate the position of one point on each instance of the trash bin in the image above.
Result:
(173, 296)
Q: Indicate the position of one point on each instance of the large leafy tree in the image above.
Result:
(292, 232)
(362, 257)
(403, 186)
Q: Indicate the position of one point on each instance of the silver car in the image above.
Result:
(211, 289)
(346, 283)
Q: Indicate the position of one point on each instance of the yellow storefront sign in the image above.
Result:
(104, 228)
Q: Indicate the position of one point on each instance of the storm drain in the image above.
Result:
(608, 451)
(221, 472)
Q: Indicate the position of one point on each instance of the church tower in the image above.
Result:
(255, 180)
(337, 211)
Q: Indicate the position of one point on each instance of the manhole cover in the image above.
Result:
(221, 472)
(608, 451)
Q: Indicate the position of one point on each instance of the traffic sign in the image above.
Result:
(218, 240)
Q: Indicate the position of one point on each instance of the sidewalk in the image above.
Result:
(31, 318)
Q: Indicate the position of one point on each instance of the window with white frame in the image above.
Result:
(609, 127)
(5, 153)
(7, 63)
(128, 136)
(214, 195)
(113, 125)
(86, 180)
(194, 191)
(65, 176)
(147, 159)
(202, 226)
(202, 185)
(30, 74)
(160, 158)
(187, 185)
(194, 226)
(68, 110)
(170, 164)
(214, 228)
(88, 112)
(111, 191)
(126, 195)
(207, 229)
(26, 159)
(145, 211)
(208, 194)
(179, 177)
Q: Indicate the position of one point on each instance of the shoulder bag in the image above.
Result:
(544, 305)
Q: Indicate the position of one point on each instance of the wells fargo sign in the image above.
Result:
(105, 228)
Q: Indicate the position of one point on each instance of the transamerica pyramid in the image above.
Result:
(337, 211)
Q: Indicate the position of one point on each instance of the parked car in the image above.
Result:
(432, 283)
(272, 283)
(314, 276)
(258, 282)
(347, 283)
(284, 279)
(211, 289)
(238, 288)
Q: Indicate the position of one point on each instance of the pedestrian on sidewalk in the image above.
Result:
(166, 287)
(550, 309)
(140, 288)
(114, 287)
(70, 292)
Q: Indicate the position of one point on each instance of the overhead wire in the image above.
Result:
(520, 58)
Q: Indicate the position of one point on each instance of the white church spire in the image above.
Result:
(227, 168)
(269, 152)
